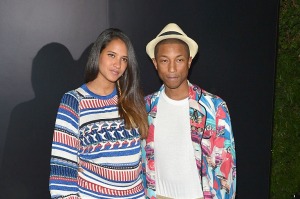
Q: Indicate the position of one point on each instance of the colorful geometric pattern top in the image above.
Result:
(212, 141)
(93, 155)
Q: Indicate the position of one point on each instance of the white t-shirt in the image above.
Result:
(175, 165)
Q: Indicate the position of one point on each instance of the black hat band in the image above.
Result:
(170, 33)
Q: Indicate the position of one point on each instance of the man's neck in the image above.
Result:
(178, 93)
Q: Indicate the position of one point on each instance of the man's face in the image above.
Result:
(172, 64)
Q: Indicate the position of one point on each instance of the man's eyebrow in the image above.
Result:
(168, 56)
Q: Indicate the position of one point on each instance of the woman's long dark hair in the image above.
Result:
(131, 99)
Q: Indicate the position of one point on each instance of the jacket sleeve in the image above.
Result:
(64, 159)
(223, 155)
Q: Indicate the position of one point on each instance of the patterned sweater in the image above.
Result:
(93, 155)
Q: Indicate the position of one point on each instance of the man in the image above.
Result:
(190, 151)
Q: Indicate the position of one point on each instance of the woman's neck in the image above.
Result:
(100, 88)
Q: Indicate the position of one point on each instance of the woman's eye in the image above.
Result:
(124, 59)
(111, 55)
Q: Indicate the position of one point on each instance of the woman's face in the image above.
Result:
(113, 61)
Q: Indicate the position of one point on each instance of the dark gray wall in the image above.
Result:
(236, 60)
(43, 50)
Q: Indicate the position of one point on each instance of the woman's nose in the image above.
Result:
(117, 63)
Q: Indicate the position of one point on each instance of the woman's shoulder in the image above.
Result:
(74, 94)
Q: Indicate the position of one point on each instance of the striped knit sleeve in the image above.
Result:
(63, 163)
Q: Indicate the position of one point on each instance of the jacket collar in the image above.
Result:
(195, 93)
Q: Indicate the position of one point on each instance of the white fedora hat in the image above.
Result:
(172, 31)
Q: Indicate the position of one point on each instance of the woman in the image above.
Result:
(96, 143)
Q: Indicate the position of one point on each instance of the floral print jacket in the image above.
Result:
(212, 141)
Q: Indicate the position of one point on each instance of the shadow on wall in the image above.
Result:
(26, 162)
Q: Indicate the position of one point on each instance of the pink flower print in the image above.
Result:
(221, 113)
(226, 165)
(151, 165)
(219, 142)
(192, 93)
(154, 109)
(150, 137)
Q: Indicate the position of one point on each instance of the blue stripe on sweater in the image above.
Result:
(111, 153)
(64, 111)
(103, 196)
(63, 188)
(97, 110)
(58, 170)
(67, 119)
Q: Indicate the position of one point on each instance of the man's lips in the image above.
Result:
(172, 77)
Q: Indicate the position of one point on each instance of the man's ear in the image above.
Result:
(190, 61)
(154, 62)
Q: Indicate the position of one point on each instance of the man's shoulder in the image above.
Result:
(206, 96)
(153, 95)
(150, 98)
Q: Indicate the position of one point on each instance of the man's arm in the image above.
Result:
(224, 153)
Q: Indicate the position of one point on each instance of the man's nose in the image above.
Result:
(172, 67)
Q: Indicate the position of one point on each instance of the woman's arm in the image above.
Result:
(64, 155)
